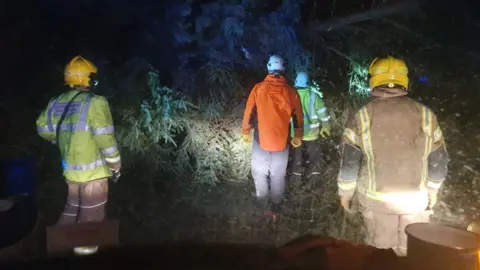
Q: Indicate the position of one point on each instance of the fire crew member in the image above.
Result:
(316, 124)
(393, 156)
(270, 106)
(84, 134)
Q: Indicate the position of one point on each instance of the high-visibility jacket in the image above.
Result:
(270, 106)
(86, 136)
(392, 145)
(315, 114)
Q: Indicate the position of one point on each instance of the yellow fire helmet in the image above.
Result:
(78, 71)
(388, 71)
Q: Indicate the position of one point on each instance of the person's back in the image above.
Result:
(399, 143)
(397, 136)
(269, 108)
(86, 117)
(393, 156)
(80, 124)
(274, 109)
(306, 159)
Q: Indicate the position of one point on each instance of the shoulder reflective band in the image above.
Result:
(58, 108)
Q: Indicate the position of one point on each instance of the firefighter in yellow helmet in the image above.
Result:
(80, 124)
(393, 156)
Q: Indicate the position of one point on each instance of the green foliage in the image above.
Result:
(315, 87)
(164, 112)
(358, 76)
(193, 142)
(153, 127)
(216, 151)
(220, 80)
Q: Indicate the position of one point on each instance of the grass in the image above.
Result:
(227, 213)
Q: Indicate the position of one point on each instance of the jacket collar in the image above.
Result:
(275, 78)
(385, 92)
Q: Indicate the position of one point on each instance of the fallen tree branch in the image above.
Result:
(339, 53)
(337, 23)
(397, 25)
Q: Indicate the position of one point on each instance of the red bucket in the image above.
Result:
(439, 247)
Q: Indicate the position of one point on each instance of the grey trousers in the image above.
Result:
(267, 165)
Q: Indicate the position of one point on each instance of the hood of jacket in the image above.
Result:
(276, 83)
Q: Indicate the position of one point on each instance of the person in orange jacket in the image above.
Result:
(270, 106)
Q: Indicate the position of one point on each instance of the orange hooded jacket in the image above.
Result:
(270, 106)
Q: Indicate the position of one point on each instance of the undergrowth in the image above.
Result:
(191, 141)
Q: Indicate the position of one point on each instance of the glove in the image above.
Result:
(325, 132)
(115, 167)
(247, 138)
(345, 203)
(296, 142)
(116, 175)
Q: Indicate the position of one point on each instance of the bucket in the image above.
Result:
(18, 177)
(440, 247)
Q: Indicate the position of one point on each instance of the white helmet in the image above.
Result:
(275, 64)
(301, 81)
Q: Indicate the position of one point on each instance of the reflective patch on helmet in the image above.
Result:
(76, 73)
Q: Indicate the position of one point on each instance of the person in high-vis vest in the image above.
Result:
(393, 156)
(315, 124)
(84, 134)
(270, 106)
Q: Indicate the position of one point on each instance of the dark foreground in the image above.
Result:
(299, 254)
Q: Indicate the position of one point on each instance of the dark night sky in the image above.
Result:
(35, 34)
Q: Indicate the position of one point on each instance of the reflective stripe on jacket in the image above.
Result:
(396, 136)
(270, 106)
(315, 114)
(87, 140)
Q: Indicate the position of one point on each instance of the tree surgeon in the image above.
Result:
(80, 124)
(316, 124)
(394, 156)
(270, 106)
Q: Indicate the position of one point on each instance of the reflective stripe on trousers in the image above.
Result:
(269, 164)
(85, 202)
